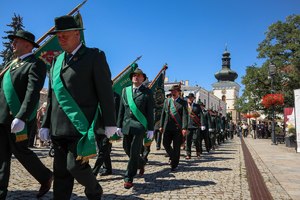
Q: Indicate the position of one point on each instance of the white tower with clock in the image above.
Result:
(226, 89)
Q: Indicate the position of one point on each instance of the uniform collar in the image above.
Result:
(25, 55)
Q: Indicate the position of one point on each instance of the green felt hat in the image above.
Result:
(175, 87)
(137, 71)
(65, 23)
(25, 35)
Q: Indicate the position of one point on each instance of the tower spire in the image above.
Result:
(226, 74)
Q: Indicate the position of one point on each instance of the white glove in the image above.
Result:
(210, 130)
(202, 128)
(110, 131)
(221, 130)
(150, 135)
(44, 134)
(119, 132)
(17, 125)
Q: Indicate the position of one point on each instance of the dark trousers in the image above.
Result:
(203, 135)
(145, 152)
(230, 134)
(212, 136)
(32, 133)
(190, 136)
(158, 138)
(174, 137)
(103, 159)
(25, 156)
(66, 168)
(132, 144)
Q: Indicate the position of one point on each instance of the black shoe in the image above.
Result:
(105, 173)
(142, 171)
(157, 148)
(173, 169)
(45, 187)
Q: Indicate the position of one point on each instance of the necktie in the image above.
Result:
(68, 57)
(135, 90)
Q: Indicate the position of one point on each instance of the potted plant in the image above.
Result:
(290, 138)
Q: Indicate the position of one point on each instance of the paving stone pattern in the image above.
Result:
(219, 174)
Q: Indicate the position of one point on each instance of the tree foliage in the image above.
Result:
(281, 47)
(16, 25)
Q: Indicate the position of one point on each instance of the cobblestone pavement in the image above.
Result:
(218, 175)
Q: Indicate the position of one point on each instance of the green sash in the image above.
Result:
(14, 103)
(174, 113)
(137, 113)
(86, 147)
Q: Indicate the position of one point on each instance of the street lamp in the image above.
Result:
(272, 72)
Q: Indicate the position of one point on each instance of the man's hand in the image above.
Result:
(17, 125)
(161, 129)
(110, 131)
(184, 132)
(150, 135)
(44, 134)
(119, 132)
(203, 128)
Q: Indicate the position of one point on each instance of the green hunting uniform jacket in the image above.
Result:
(205, 120)
(28, 76)
(199, 120)
(218, 123)
(87, 78)
(143, 99)
(212, 121)
(166, 120)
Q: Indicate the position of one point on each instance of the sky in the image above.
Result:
(189, 35)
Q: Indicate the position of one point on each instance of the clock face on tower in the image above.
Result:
(223, 91)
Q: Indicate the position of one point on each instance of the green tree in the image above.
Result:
(16, 25)
(281, 47)
(256, 86)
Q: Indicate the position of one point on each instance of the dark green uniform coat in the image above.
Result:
(88, 79)
(144, 101)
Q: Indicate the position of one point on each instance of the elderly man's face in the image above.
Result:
(21, 47)
(68, 40)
